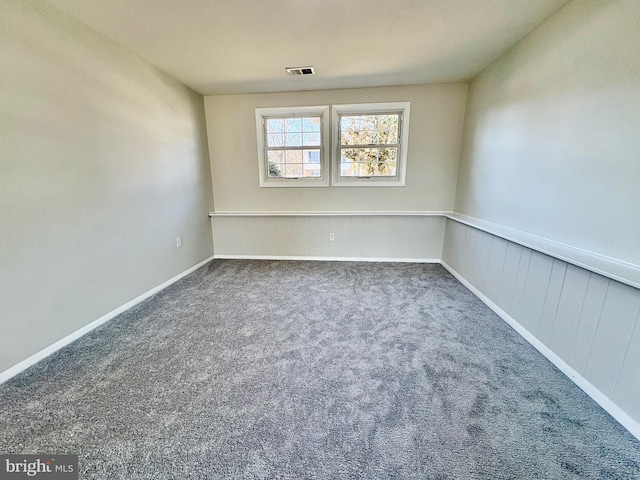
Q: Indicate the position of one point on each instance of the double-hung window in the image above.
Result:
(370, 144)
(291, 146)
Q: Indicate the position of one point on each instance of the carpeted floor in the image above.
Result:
(312, 370)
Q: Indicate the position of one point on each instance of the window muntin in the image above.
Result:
(292, 149)
(370, 144)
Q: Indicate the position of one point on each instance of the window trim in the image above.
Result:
(325, 150)
(371, 108)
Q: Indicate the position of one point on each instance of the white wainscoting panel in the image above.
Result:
(612, 338)
(586, 323)
(356, 236)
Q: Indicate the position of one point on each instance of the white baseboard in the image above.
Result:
(328, 259)
(36, 357)
(600, 398)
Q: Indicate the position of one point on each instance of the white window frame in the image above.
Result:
(277, 112)
(404, 108)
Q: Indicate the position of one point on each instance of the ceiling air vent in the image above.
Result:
(300, 70)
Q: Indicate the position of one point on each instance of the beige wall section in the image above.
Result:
(103, 164)
(437, 115)
(551, 137)
(355, 236)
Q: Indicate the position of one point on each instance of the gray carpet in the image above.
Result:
(258, 369)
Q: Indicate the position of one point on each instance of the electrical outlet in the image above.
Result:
(332, 237)
(178, 242)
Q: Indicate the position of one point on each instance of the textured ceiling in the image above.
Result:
(243, 46)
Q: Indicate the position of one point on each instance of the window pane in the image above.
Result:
(385, 170)
(367, 137)
(389, 154)
(275, 125)
(311, 165)
(311, 139)
(293, 170)
(357, 169)
(346, 169)
(293, 124)
(275, 161)
(368, 162)
(348, 138)
(276, 169)
(390, 134)
(275, 156)
(293, 156)
(350, 121)
(311, 156)
(380, 129)
(293, 132)
(275, 139)
(386, 166)
(348, 155)
(311, 124)
(294, 163)
(293, 139)
(349, 125)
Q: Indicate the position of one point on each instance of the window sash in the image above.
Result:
(313, 147)
(296, 166)
(369, 146)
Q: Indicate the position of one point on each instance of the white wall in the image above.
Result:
(437, 113)
(551, 148)
(551, 143)
(103, 164)
(379, 237)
